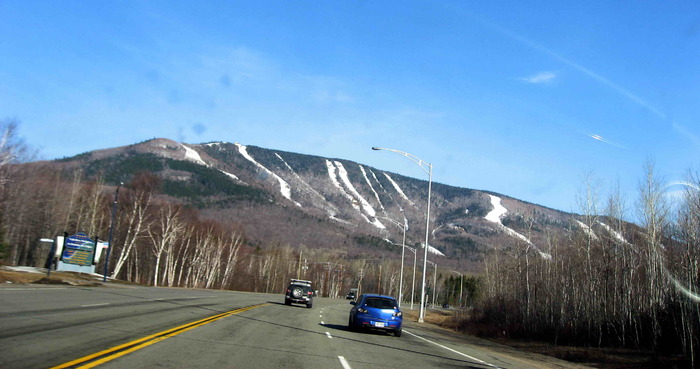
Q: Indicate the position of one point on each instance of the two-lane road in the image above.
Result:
(140, 327)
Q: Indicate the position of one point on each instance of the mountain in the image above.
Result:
(316, 202)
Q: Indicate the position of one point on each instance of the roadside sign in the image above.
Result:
(79, 250)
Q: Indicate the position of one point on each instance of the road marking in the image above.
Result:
(110, 354)
(322, 323)
(93, 305)
(329, 335)
(452, 350)
(344, 363)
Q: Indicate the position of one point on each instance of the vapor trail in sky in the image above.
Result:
(534, 45)
(604, 140)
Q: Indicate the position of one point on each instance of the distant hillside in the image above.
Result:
(303, 200)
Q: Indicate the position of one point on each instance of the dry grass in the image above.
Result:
(442, 318)
(68, 278)
(603, 358)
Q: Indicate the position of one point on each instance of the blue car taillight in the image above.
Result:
(398, 313)
(362, 311)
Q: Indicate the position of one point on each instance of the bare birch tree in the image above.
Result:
(136, 216)
(164, 234)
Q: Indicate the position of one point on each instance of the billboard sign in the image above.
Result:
(79, 250)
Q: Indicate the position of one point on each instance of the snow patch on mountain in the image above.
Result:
(332, 217)
(336, 169)
(385, 191)
(193, 155)
(330, 208)
(495, 216)
(432, 233)
(366, 206)
(233, 176)
(285, 188)
(435, 251)
(397, 188)
(614, 233)
(334, 179)
(376, 195)
(586, 229)
(497, 212)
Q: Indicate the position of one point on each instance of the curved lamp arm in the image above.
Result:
(427, 167)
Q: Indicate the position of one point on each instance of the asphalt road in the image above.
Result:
(141, 327)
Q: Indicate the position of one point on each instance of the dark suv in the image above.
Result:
(299, 292)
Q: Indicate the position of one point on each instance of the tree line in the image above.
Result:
(609, 283)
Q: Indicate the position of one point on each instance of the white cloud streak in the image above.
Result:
(542, 77)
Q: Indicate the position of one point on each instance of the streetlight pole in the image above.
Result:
(461, 285)
(111, 231)
(413, 284)
(434, 282)
(428, 168)
(403, 252)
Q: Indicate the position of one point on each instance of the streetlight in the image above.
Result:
(434, 282)
(428, 168)
(413, 284)
(461, 285)
(111, 230)
(404, 226)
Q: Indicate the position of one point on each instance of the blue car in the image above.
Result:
(376, 312)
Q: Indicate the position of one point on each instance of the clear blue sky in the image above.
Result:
(520, 98)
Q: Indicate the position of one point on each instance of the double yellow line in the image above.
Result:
(110, 354)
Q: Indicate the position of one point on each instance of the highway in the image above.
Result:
(147, 327)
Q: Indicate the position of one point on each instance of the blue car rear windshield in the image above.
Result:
(380, 303)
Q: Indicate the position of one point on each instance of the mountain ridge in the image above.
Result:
(312, 201)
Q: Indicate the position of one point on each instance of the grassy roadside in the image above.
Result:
(603, 358)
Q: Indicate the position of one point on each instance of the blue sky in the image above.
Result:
(520, 98)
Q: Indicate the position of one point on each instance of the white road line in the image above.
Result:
(344, 363)
(322, 323)
(329, 335)
(93, 305)
(451, 350)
